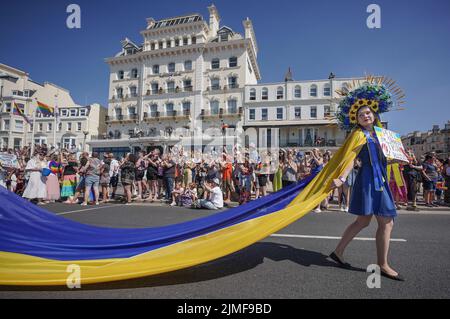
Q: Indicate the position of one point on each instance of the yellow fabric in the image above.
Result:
(20, 269)
(395, 167)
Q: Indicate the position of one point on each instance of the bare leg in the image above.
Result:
(385, 225)
(351, 231)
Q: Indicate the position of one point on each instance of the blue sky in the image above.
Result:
(314, 38)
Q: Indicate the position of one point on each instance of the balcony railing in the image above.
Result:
(170, 90)
(130, 117)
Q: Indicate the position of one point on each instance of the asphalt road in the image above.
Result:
(290, 264)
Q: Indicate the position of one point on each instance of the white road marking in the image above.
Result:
(86, 209)
(332, 237)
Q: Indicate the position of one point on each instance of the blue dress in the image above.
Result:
(365, 199)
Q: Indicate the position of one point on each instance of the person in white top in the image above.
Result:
(36, 187)
(114, 168)
(2, 176)
(215, 200)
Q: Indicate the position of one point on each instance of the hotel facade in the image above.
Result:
(194, 84)
(183, 86)
(294, 113)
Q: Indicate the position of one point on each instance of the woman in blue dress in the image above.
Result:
(371, 195)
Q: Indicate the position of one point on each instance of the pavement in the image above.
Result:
(292, 263)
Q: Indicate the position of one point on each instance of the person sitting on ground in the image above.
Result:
(176, 193)
(189, 196)
(215, 200)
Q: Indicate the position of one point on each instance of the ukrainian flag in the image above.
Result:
(38, 247)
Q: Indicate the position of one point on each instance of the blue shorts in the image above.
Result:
(429, 185)
(92, 180)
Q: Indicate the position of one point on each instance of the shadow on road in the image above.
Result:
(238, 262)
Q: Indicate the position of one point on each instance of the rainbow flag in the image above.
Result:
(18, 110)
(44, 108)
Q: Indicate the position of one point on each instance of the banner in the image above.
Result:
(9, 160)
(391, 144)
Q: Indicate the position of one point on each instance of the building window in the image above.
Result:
(185, 41)
(187, 85)
(7, 108)
(252, 94)
(265, 94)
(298, 112)
(327, 110)
(177, 42)
(264, 113)
(188, 65)
(232, 82)
(214, 105)
(170, 87)
(118, 111)
(69, 126)
(78, 126)
(279, 93)
(279, 113)
(171, 67)
(168, 43)
(215, 84)
(83, 112)
(223, 37)
(252, 114)
(49, 127)
(232, 106)
(156, 69)
(215, 64)
(59, 126)
(132, 110)
(134, 73)
(19, 125)
(152, 46)
(297, 92)
(160, 45)
(73, 112)
(186, 107)
(120, 75)
(119, 93)
(153, 109)
(133, 91)
(194, 40)
(232, 62)
(169, 109)
(155, 88)
(313, 90)
(327, 90)
(313, 111)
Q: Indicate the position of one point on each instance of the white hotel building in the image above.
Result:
(77, 123)
(294, 113)
(183, 86)
(195, 84)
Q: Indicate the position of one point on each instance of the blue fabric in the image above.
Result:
(29, 229)
(372, 143)
(365, 198)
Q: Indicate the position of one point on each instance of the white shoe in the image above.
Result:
(317, 210)
(342, 209)
(173, 204)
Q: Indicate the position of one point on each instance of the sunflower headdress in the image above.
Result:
(380, 94)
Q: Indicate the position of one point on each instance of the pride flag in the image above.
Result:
(19, 110)
(44, 108)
